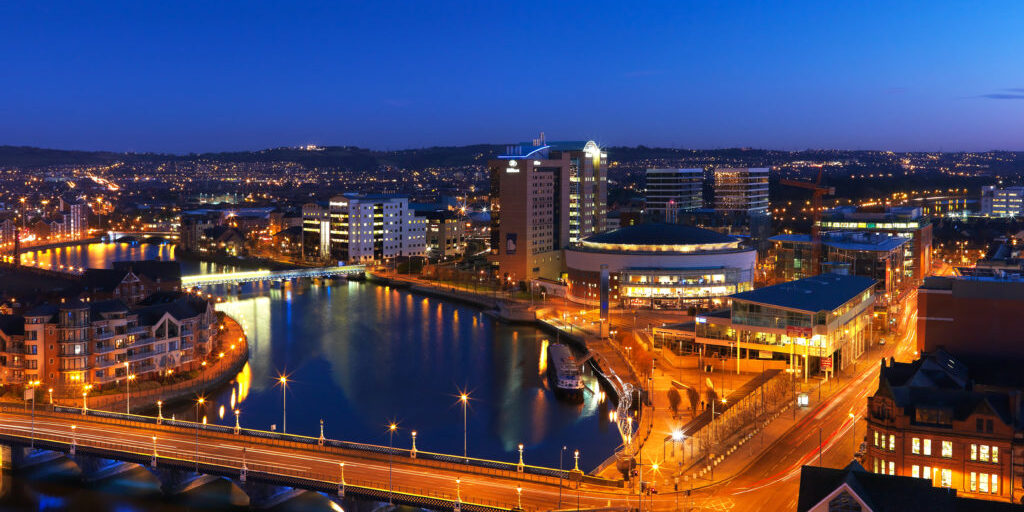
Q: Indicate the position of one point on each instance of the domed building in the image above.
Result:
(664, 266)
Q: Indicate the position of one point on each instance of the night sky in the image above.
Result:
(210, 76)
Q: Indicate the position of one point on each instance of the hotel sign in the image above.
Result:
(798, 332)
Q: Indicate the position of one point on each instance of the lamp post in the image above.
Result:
(284, 403)
(412, 453)
(464, 398)
(853, 432)
(74, 439)
(238, 427)
(159, 412)
(519, 467)
(199, 402)
(152, 462)
(85, 405)
(560, 474)
(33, 385)
(321, 440)
(50, 391)
(576, 454)
(391, 433)
(519, 497)
(128, 393)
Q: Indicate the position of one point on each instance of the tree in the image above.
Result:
(694, 397)
(673, 401)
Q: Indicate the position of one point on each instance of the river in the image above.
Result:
(360, 355)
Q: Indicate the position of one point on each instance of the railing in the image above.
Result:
(187, 460)
(267, 275)
(455, 463)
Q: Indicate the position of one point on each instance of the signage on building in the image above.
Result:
(826, 364)
(511, 240)
(798, 332)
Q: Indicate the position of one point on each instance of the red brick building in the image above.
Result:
(977, 315)
(956, 425)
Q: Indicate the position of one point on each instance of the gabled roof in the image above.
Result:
(885, 493)
(99, 308)
(102, 279)
(824, 292)
(179, 305)
(157, 270)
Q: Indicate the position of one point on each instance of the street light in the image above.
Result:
(284, 403)
(391, 433)
(200, 401)
(128, 393)
(560, 474)
(159, 412)
(74, 439)
(520, 466)
(464, 398)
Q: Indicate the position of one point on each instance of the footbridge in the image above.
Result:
(253, 276)
(270, 467)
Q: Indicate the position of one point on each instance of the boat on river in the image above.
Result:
(564, 373)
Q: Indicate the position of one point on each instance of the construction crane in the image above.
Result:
(819, 191)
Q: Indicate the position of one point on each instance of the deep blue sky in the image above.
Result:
(205, 76)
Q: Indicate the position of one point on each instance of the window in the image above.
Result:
(892, 443)
(983, 487)
(988, 426)
(947, 478)
(974, 481)
(844, 503)
(927, 446)
(876, 438)
(947, 449)
(979, 425)
(983, 453)
(995, 454)
(927, 472)
(892, 468)
(974, 452)
(995, 484)
(915, 446)
(915, 471)
(876, 465)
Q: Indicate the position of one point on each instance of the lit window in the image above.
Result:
(983, 487)
(947, 478)
(927, 446)
(974, 452)
(892, 443)
(995, 454)
(982, 455)
(995, 483)
(947, 449)
(974, 481)
(915, 445)
(915, 471)
(892, 468)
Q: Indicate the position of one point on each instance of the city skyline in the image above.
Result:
(188, 79)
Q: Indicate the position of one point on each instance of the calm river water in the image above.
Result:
(360, 355)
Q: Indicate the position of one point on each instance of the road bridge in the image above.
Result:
(269, 464)
(252, 276)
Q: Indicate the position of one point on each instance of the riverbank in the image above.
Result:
(223, 364)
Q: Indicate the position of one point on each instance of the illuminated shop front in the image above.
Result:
(663, 266)
(818, 323)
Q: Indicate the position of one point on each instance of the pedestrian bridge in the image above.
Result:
(253, 276)
(270, 467)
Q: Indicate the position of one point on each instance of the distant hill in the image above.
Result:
(342, 157)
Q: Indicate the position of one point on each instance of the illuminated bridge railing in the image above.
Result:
(252, 276)
(528, 473)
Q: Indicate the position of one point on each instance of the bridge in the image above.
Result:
(253, 276)
(271, 467)
(114, 236)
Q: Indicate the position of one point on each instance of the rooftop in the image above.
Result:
(661, 234)
(884, 493)
(540, 150)
(849, 240)
(824, 292)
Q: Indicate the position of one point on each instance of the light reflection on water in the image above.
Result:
(359, 354)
